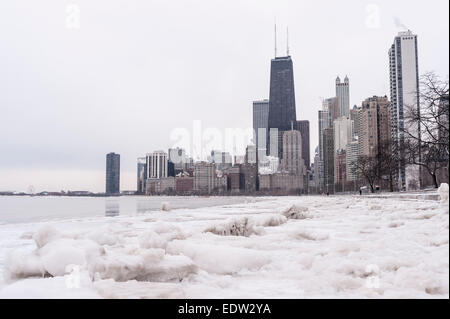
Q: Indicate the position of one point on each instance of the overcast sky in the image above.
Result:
(127, 73)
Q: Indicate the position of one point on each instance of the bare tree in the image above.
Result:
(388, 162)
(430, 148)
(366, 168)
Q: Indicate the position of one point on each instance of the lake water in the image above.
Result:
(27, 209)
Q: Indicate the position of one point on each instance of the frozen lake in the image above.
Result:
(384, 246)
(26, 209)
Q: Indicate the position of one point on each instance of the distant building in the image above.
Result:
(178, 157)
(341, 168)
(316, 168)
(141, 162)
(282, 183)
(269, 165)
(332, 105)
(292, 161)
(374, 126)
(236, 181)
(352, 158)
(112, 174)
(261, 125)
(250, 155)
(324, 123)
(443, 115)
(222, 160)
(328, 144)
(354, 117)
(184, 184)
(303, 127)
(282, 111)
(343, 133)
(343, 95)
(157, 165)
(249, 177)
(204, 177)
(404, 80)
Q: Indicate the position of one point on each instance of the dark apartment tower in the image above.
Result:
(303, 127)
(112, 173)
(282, 114)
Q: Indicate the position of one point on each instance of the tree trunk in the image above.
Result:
(435, 181)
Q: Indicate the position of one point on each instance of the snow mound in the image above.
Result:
(21, 265)
(310, 235)
(246, 226)
(161, 235)
(220, 259)
(132, 289)
(165, 207)
(233, 227)
(142, 265)
(50, 288)
(296, 212)
(45, 234)
(443, 193)
(136, 258)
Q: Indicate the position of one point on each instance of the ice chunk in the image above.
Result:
(246, 226)
(59, 254)
(165, 207)
(138, 290)
(443, 193)
(142, 265)
(220, 259)
(45, 234)
(22, 265)
(296, 212)
(50, 288)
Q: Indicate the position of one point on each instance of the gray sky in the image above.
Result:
(135, 70)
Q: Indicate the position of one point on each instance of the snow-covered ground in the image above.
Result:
(287, 247)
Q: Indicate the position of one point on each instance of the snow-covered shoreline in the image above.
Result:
(286, 247)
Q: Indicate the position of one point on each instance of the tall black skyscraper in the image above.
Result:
(112, 173)
(282, 113)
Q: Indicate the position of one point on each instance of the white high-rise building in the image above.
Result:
(343, 95)
(404, 79)
(178, 157)
(157, 165)
(343, 133)
(352, 158)
(324, 123)
(293, 161)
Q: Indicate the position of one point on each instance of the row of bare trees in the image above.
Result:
(427, 148)
(430, 149)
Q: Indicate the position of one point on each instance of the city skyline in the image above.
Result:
(54, 157)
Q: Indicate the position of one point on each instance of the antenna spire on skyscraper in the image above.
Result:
(275, 38)
(287, 42)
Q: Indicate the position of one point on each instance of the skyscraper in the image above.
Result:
(303, 127)
(204, 177)
(141, 162)
(112, 174)
(178, 157)
(404, 79)
(343, 95)
(374, 125)
(157, 165)
(324, 123)
(332, 105)
(343, 133)
(292, 153)
(261, 125)
(282, 112)
(328, 145)
(222, 160)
